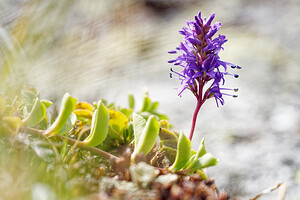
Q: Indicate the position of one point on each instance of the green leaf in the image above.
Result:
(85, 113)
(99, 126)
(164, 124)
(161, 116)
(36, 114)
(84, 106)
(183, 152)
(130, 101)
(146, 103)
(46, 103)
(128, 133)
(28, 96)
(67, 105)
(153, 106)
(69, 125)
(169, 152)
(165, 134)
(148, 137)
(204, 161)
(108, 144)
(169, 143)
(189, 163)
(138, 126)
(117, 120)
(145, 114)
(201, 151)
(115, 135)
(127, 112)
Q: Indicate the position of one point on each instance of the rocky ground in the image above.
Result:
(103, 49)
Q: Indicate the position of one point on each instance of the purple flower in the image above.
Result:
(200, 61)
(201, 64)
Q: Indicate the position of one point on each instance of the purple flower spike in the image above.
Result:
(201, 63)
(209, 20)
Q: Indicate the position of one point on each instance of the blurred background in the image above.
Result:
(104, 49)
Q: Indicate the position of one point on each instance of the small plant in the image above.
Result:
(118, 135)
(201, 63)
(106, 129)
(133, 145)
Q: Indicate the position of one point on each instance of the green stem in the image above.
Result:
(72, 141)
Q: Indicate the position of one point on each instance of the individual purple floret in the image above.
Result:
(201, 64)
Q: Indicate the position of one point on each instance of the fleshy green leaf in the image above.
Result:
(146, 103)
(169, 143)
(99, 126)
(204, 161)
(36, 114)
(160, 116)
(164, 124)
(153, 106)
(169, 152)
(183, 152)
(147, 138)
(83, 110)
(67, 105)
(138, 126)
(46, 103)
(84, 105)
(127, 112)
(115, 135)
(145, 114)
(130, 101)
(128, 133)
(83, 113)
(117, 120)
(201, 151)
(69, 124)
(165, 134)
(28, 96)
(108, 144)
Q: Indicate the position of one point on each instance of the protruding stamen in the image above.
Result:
(235, 89)
(236, 66)
(173, 51)
(234, 75)
(179, 75)
(171, 75)
(234, 96)
(171, 61)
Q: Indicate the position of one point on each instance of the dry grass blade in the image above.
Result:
(281, 195)
(282, 191)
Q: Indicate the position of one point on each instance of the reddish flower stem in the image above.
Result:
(200, 102)
(195, 119)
